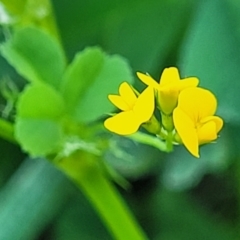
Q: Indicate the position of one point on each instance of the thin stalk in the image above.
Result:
(41, 13)
(37, 12)
(149, 140)
(103, 196)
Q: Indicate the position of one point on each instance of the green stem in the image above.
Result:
(149, 140)
(7, 131)
(169, 142)
(111, 208)
(37, 12)
(15, 7)
(45, 20)
(100, 192)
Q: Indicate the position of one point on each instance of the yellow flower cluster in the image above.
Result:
(187, 111)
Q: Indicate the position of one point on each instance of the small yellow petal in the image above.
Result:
(186, 130)
(144, 107)
(218, 121)
(169, 76)
(207, 132)
(119, 102)
(187, 82)
(123, 123)
(127, 93)
(148, 80)
(197, 103)
(167, 99)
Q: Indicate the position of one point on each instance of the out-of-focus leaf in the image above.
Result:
(31, 199)
(40, 101)
(38, 128)
(16, 6)
(233, 16)
(183, 220)
(212, 53)
(131, 159)
(183, 171)
(39, 137)
(79, 221)
(35, 55)
(10, 159)
(147, 33)
(89, 79)
(80, 75)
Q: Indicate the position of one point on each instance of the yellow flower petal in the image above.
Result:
(207, 132)
(148, 80)
(123, 123)
(127, 93)
(197, 103)
(144, 106)
(119, 102)
(218, 121)
(167, 99)
(186, 130)
(188, 82)
(169, 76)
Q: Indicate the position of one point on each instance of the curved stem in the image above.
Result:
(100, 192)
(37, 12)
(149, 140)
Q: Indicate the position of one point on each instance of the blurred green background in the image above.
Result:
(173, 196)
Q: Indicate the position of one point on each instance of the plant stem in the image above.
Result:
(102, 195)
(15, 7)
(40, 12)
(149, 140)
(6, 131)
(37, 12)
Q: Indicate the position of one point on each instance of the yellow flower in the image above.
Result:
(193, 118)
(168, 88)
(135, 110)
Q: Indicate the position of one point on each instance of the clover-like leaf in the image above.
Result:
(89, 79)
(35, 55)
(38, 128)
(39, 137)
(40, 101)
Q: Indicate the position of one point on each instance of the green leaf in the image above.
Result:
(38, 128)
(40, 101)
(154, 42)
(211, 52)
(38, 137)
(89, 79)
(35, 55)
(80, 74)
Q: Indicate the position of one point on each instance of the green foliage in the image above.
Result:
(39, 112)
(39, 137)
(40, 101)
(202, 37)
(94, 103)
(80, 75)
(211, 52)
(89, 79)
(35, 55)
(56, 94)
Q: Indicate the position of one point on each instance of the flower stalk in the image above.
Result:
(82, 168)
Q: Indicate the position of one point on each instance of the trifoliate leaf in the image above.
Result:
(35, 55)
(38, 129)
(40, 101)
(38, 137)
(80, 74)
(88, 81)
